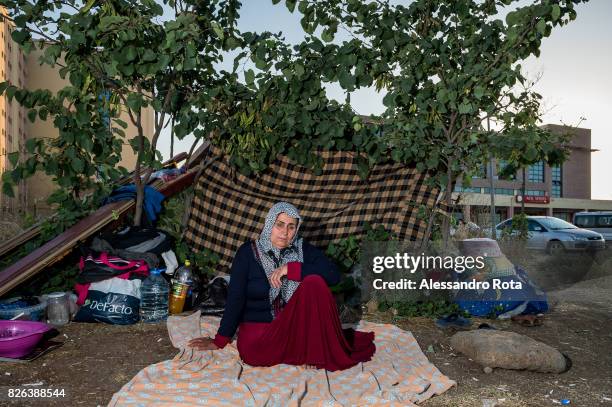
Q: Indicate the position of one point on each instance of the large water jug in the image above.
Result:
(154, 297)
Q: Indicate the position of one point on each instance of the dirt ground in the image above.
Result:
(96, 359)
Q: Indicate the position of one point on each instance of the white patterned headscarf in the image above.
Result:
(272, 258)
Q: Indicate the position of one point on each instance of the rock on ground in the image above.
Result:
(508, 350)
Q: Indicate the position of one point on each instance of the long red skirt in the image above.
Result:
(306, 332)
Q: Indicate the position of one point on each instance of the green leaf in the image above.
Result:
(7, 189)
(512, 18)
(217, 29)
(299, 70)
(249, 76)
(362, 167)
(13, 158)
(134, 101)
(290, 5)
(465, 108)
(389, 100)
(30, 145)
(121, 123)
(107, 21)
(19, 36)
(130, 54)
(432, 162)
(327, 35)
(556, 12)
(4, 86)
(347, 80)
(149, 56)
(32, 115)
(77, 165)
(43, 113)
(541, 26)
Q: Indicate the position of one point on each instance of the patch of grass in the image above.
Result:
(428, 309)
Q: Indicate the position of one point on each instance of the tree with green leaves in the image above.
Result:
(446, 67)
(270, 103)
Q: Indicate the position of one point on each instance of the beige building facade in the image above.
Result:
(12, 115)
(27, 72)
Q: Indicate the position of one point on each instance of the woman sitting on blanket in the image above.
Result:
(279, 301)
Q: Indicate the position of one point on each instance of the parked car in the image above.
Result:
(600, 222)
(556, 235)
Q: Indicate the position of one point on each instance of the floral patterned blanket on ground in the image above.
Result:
(398, 375)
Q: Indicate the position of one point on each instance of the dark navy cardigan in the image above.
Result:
(248, 297)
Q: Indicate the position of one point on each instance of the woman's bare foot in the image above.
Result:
(310, 366)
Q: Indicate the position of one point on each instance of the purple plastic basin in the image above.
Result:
(18, 338)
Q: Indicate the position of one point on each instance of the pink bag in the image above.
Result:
(105, 267)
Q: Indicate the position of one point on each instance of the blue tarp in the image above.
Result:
(489, 302)
(152, 199)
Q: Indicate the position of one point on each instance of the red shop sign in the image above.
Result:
(533, 199)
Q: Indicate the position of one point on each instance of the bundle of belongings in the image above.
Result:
(511, 292)
(152, 203)
(112, 270)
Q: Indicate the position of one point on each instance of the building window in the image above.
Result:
(535, 172)
(499, 191)
(459, 188)
(504, 191)
(534, 192)
(557, 182)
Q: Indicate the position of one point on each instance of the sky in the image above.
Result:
(575, 66)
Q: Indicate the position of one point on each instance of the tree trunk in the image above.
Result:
(449, 207)
(139, 180)
(523, 190)
(172, 138)
(492, 194)
(139, 204)
(427, 234)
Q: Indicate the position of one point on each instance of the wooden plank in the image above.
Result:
(198, 155)
(34, 230)
(63, 244)
(21, 238)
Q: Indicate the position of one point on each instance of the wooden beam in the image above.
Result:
(63, 244)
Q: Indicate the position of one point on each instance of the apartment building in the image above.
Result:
(12, 115)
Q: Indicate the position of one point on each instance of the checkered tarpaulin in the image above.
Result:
(229, 208)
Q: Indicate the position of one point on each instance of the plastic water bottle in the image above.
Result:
(154, 297)
(181, 288)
